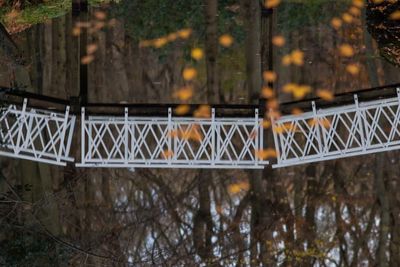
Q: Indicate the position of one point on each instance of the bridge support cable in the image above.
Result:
(171, 142)
(337, 132)
(35, 134)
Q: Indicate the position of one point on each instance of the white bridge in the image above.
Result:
(187, 142)
(171, 142)
(339, 132)
(36, 134)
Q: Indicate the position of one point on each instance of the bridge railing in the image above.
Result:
(171, 142)
(36, 134)
(332, 133)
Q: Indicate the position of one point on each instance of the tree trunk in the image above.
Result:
(211, 15)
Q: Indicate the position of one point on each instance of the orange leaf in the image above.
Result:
(204, 111)
(325, 94)
(278, 40)
(87, 59)
(301, 91)
(160, 42)
(91, 48)
(286, 60)
(189, 73)
(358, 3)
(266, 124)
(167, 153)
(226, 40)
(395, 15)
(184, 33)
(296, 111)
(182, 109)
(346, 50)
(76, 31)
(297, 57)
(336, 23)
(353, 69)
(347, 18)
(269, 76)
(267, 92)
(355, 11)
(184, 94)
(272, 3)
(289, 87)
(265, 153)
(172, 37)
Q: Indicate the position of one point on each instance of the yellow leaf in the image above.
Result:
(87, 59)
(325, 123)
(184, 93)
(312, 122)
(336, 23)
(278, 40)
(297, 57)
(346, 50)
(167, 153)
(265, 153)
(272, 3)
(355, 11)
(358, 3)
(395, 15)
(296, 111)
(286, 60)
(353, 69)
(189, 73)
(226, 40)
(197, 53)
(266, 124)
(234, 188)
(172, 37)
(301, 91)
(204, 111)
(347, 18)
(325, 94)
(182, 109)
(160, 42)
(289, 87)
(267, 92)
(269, 76)
(184, 33)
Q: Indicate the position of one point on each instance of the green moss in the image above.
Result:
(43, 12)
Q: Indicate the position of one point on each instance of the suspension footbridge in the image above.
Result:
(152, 136)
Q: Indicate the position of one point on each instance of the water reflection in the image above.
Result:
(341, 212)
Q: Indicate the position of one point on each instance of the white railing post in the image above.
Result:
(213, 133)
(126, 135)
(317, 129)
(276, 137)
(255, 134)
(169, 136)
(83, 130)
(21, 122)
(361, 119)
(62, 137)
